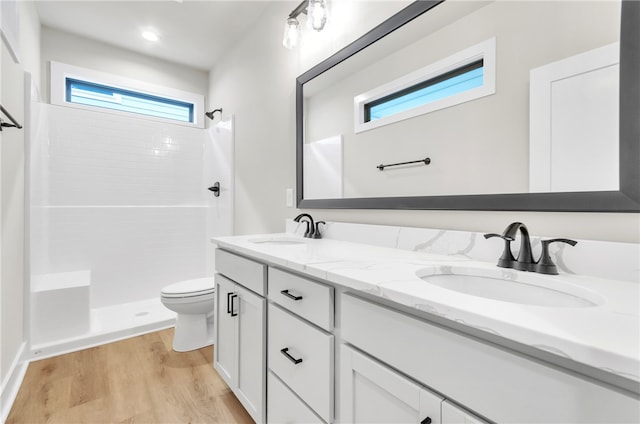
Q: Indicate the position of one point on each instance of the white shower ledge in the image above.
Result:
(606, 336)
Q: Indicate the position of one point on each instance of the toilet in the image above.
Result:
(193, 301)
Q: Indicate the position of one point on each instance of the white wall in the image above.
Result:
(255, 81)
(30, 39)
(12, 212)
(74, 50)
(12, 335)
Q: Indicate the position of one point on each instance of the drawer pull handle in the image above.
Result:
(229, 302)
(285, 352)
(426, 421)
(290, 296)
(233, 296)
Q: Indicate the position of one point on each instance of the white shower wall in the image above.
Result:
(109, 160)
(121, 197)
(131, 251)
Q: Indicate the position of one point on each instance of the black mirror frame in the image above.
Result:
(627, 199)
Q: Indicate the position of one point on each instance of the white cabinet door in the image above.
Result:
(373, 393)
(251, 381)
(451, 414)
(225, 343)
(240, 356)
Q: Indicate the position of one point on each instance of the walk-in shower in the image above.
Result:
(118, 209)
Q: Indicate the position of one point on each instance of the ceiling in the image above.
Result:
(194, 33)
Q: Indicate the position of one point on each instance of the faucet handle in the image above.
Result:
(316, 233)
(545, 264)
(506, 260)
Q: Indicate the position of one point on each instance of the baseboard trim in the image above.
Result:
(12, 381)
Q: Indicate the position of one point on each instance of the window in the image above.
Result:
(464, 76)
(88, 89)
(448, 84)
(98, 95)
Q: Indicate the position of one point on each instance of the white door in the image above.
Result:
(574, 132)
(373, 393)
(251, 345)
(218, 168)
(225, 341)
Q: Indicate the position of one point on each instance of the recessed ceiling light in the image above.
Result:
(149, 35)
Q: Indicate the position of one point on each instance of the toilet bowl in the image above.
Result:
(193, 301)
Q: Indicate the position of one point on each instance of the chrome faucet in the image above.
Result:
(525, 261)
(310, 225)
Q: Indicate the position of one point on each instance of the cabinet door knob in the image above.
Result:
(290, 296)
(426, 421)
(285, 352)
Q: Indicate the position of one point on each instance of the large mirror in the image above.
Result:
(552, 124)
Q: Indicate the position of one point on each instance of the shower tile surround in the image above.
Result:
(121, 199)
(385, 259)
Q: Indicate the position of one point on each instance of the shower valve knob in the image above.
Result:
(215, 189)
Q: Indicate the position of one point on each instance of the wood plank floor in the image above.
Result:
(138, 380)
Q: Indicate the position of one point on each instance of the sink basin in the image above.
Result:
(278, 241)
(512, 286)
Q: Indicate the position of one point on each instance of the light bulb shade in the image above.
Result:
(317, 14)
(291, 37)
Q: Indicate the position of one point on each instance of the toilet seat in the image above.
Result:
(189, 288)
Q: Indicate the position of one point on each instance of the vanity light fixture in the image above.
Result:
(292, 33)
(317, 14)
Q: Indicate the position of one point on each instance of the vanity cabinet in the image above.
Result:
(372, 392)
(240, 341)
(302, 350)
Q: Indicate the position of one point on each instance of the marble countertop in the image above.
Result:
(605, 336)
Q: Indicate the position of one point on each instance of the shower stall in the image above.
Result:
(118, 207)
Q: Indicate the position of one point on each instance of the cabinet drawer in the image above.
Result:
(312, 377)
(308, 299)
(285, 407)
(490, 380)
(251, 274)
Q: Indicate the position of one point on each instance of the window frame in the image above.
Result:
(61, 72)
(484, 51)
